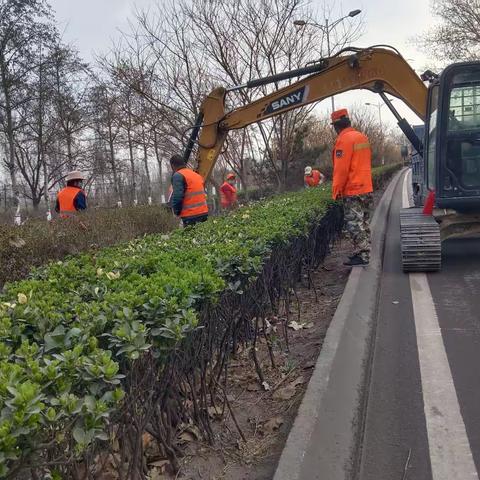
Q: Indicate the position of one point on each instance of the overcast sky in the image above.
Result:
(91, 25)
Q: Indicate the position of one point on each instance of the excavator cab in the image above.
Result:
(453, 138)
(451, 157)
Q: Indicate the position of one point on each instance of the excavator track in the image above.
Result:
(420, 241)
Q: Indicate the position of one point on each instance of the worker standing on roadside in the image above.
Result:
(352, 184)
(313, 177)
(72, 198)
(189, 200)
(228, 193)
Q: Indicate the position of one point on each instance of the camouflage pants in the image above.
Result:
(357, 211)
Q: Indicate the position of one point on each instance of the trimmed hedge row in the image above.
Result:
(69, 334)
(380, 175)
(79, 334)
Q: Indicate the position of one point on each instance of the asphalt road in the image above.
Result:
(423, 411)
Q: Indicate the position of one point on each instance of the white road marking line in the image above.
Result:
(450, 452)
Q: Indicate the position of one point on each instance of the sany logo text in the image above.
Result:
(294, 98)
(285, 102)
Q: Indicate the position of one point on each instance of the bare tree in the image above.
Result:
(236, 41)
(71, 82)
(104, 104)
(24, 25)
(457, 36)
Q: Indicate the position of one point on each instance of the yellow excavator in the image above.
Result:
(449, 104)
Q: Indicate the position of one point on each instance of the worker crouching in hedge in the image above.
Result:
(352, 184)
(313, 177)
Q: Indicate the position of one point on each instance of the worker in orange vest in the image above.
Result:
(228, 192)
(352, 184)
(72, 198)
(313, 177)
(189, 199)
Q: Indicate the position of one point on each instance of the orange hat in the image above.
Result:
(230, 176)
(338, 114)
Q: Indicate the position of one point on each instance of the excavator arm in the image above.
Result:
(379, 70)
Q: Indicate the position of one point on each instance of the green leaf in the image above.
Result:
(79, 435)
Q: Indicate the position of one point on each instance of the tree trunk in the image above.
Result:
(10, 128)
(132, 165)
(113, 163)
(159, 161)
(145, 161)
(69, 151)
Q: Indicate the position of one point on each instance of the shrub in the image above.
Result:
(69, 334)
(99, 348)
(38, 242)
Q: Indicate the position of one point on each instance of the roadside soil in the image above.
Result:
(248, 444)
(265, 412)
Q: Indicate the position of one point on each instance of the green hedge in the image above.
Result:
(71, 334)
(380, 175)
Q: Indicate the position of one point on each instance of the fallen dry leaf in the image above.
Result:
(161, 464)
(214, 413)
(186, 437)
(253, 387)
(266, 386)
(289, 391)
(147, 439)
(190, 434)
(285, 393)
(273, 424)
(17, 242)
(155, 474)
(295, 325)
(298, 381)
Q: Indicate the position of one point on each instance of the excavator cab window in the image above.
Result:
(430, 135)
(459, 132)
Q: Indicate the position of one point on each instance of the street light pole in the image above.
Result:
(326, 29)
(327, 32)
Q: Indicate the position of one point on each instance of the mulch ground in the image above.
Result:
(249, 443)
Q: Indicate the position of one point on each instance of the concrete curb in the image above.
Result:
(322, 443)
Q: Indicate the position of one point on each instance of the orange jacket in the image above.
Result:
(352, 164)
(313, 180)
(228, 195)
(195, 198)
(66, 201)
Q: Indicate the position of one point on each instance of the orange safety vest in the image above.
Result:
(228, 195)
(352, 164)
(313, 180)
(195, 199)
(66, 198)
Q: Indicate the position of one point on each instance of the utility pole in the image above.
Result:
(327, 28)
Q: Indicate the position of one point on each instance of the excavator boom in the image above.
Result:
(379, 70)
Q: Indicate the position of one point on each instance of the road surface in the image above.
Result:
(423, 411)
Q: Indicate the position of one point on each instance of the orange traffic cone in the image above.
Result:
(429, 203)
